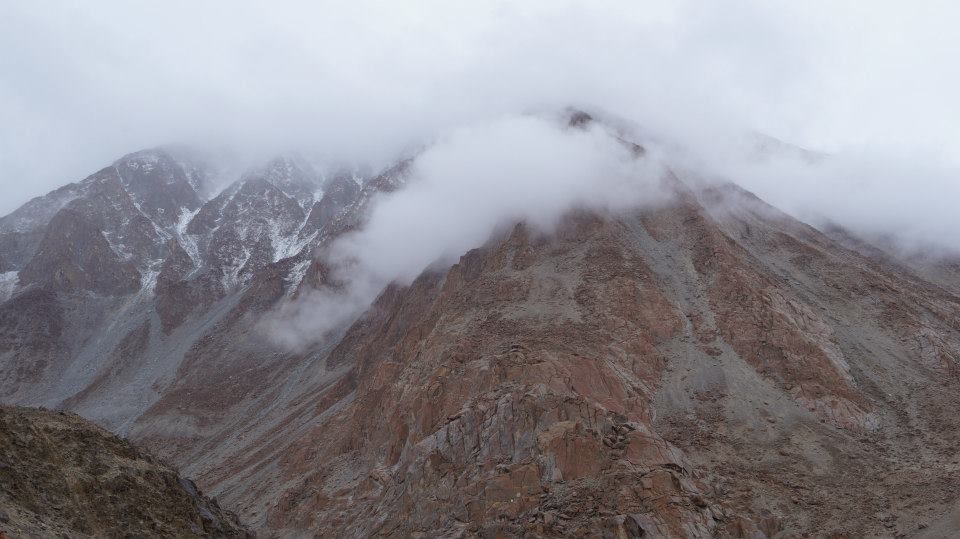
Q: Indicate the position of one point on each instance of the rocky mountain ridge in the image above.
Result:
(709, 367)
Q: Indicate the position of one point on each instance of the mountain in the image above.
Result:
(63, 476)
(708, 367)
(110, 281)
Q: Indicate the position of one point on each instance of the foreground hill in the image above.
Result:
(60, 475)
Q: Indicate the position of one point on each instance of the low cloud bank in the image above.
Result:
(460, 190)
(905, 202)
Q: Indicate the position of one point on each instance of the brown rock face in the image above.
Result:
(176, 298)
(31, 325)
(510, 396)
(74, 255)
(61, 475)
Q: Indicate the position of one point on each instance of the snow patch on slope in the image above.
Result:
(296, 275)
(146, 161)
(117, 246)
(286, 244)
(187, 241)
(232, 268)
(8, 282)
(148, 280)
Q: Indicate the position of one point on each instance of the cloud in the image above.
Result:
(529, 169)
(905, 201)
(83, 83)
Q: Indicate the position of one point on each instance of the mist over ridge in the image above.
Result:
(367, 82)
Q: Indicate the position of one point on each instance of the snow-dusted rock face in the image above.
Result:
(341, 191)
(292, 176)
(8, 282)
(255, 221)
(158, 186)
(144, 243)
(134, 203)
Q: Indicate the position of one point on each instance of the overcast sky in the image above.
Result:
(84, 82)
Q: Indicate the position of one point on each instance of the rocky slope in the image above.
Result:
(709, 367)
(61, 475)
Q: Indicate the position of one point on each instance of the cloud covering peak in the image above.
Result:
(365, 81)
(478, 178)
